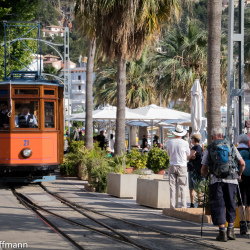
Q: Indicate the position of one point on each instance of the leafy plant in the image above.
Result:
(136, 159)
(75, 158)
(201, 188)
(118, 163)
(98, 169)
(157, 159)
(68, 168)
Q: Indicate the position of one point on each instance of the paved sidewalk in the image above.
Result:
(130, 210)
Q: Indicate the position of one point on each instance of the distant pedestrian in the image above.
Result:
(178, 150)
(101, 139)
(112, 142)
(76, 135)
(161, 146)
(144, 142)
(220, 159)
(244, 184)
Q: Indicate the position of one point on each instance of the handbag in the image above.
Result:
(190, 166)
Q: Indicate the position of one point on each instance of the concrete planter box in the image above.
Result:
(153, 193)
(122, 185)
(152, 176)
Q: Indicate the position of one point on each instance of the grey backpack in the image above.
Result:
(222, 159)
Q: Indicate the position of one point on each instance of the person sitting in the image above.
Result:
(4, 119)
(146, 149)
(26, 120)
(155, 141)
(108, 149)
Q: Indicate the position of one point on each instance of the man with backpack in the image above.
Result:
(225, 166)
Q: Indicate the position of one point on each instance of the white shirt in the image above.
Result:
(178, 150)
(26, 118)
(112, 144)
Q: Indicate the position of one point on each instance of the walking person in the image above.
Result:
(178, 150)
(221, 159)
(244, 184)
(194, 167)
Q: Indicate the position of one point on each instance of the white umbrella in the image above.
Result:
(196, 107)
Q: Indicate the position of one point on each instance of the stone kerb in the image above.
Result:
(189, 214)
(122, 185)
(153, 193)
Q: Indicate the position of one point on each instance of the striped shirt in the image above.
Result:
(213, 178)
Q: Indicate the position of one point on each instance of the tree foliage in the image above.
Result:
(16, 11)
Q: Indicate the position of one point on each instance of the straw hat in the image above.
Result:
(196, 136)
(179, 131)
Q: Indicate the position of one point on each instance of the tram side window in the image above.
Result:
(26, 114)
(49, 112)
(4, 118)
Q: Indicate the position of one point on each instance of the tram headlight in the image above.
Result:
(26, 152)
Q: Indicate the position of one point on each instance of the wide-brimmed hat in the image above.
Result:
(179, 131)
(196, 136)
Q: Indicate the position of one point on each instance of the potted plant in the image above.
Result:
(135, 160)
(158, 159)
(75, 160)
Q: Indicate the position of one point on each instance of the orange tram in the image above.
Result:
(31, 128)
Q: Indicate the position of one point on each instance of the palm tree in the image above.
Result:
(140, 84)
(50, 70)
(124, 29)
(213, 66)
(86, 18)
(183, 59)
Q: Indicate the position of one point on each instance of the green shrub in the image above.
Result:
(68, 168)
(157, 159)
(136, 159)
(98, 169)
(75, 146)
(73, 159)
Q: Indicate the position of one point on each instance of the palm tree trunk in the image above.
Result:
(213, 66)
(120, 113)
(89, 98)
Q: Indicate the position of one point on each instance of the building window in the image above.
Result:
(79, 87)
(79, 77)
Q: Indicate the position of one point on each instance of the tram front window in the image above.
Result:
(26, 114)
(4, 118)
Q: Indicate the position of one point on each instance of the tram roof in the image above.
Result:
(28, 78)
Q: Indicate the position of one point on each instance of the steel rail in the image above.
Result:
(65, 201)
(123, 239)
(44, 219)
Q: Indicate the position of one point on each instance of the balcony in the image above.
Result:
(77, 91)
(78, 82)
(81, 101)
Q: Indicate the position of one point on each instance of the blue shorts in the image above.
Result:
(193, 179)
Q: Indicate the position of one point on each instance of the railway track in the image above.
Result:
(114, 234)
